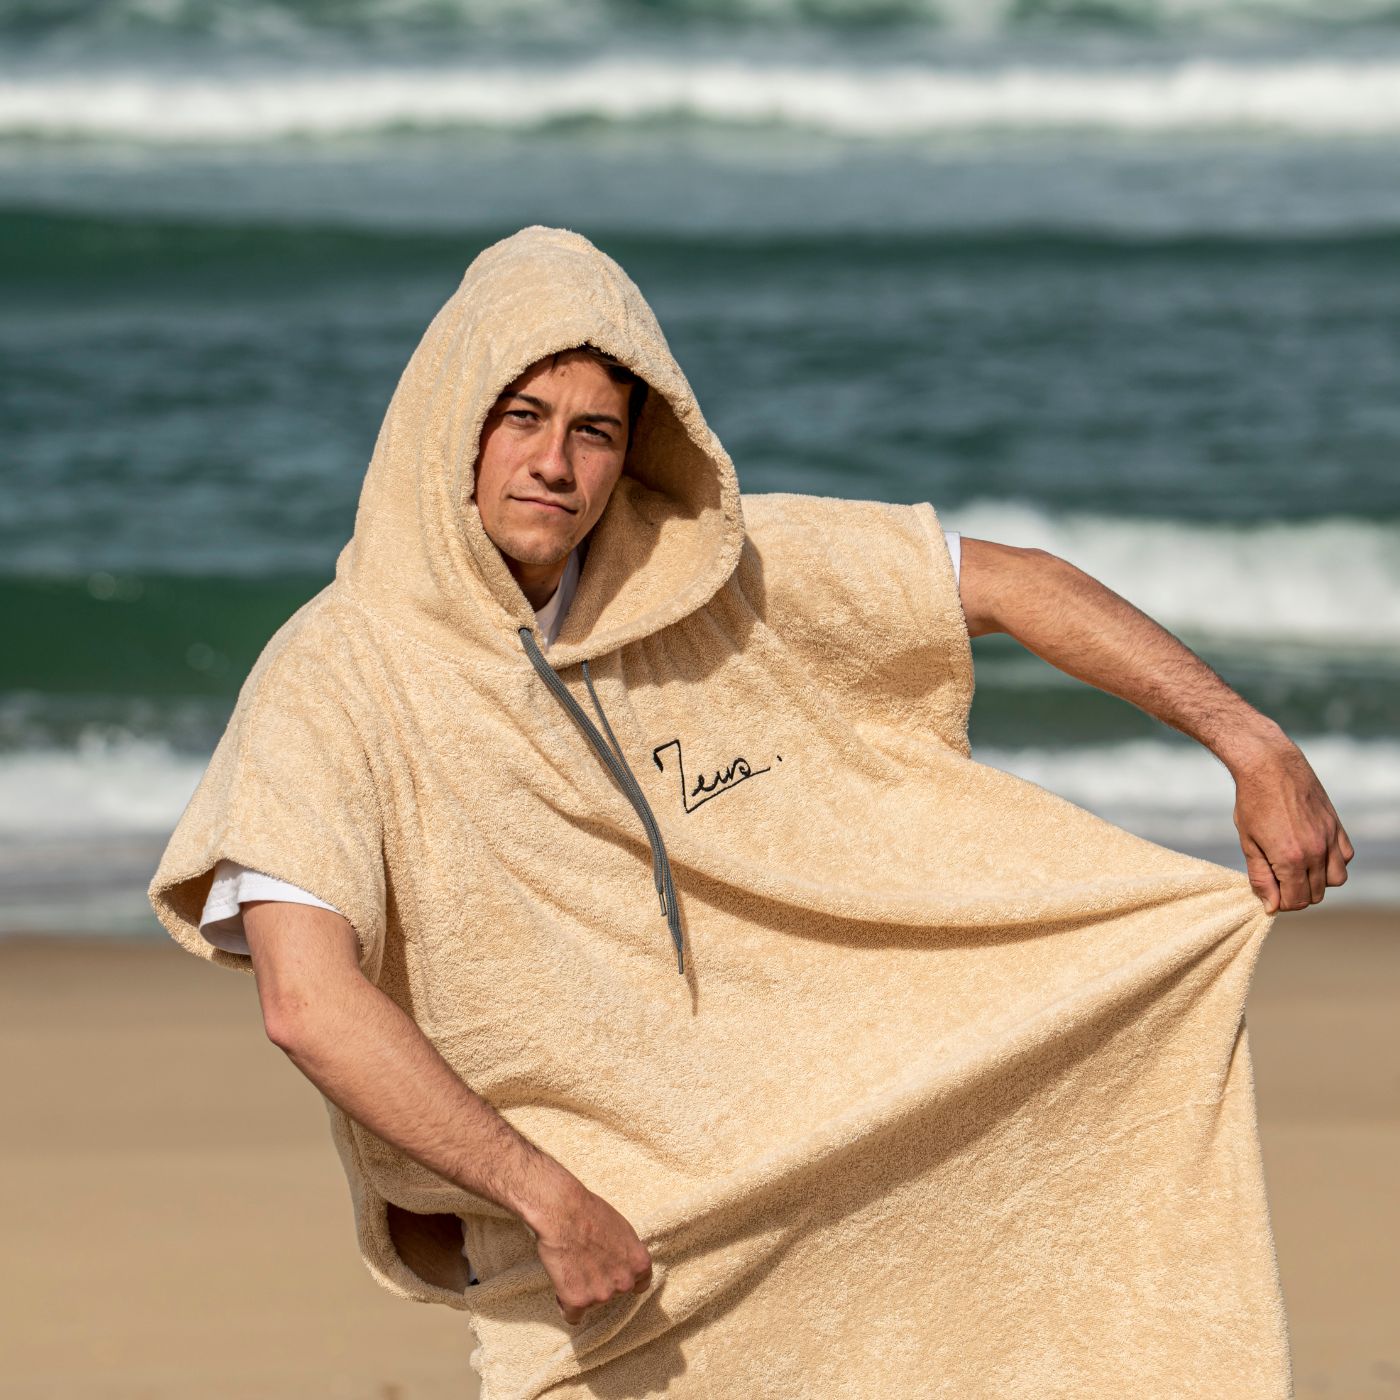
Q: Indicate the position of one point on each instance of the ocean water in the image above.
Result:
(1118, 279)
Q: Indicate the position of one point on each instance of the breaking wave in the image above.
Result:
(862, 102)
(1327, 583)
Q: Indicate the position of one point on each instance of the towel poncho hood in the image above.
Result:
(953, 1096)
(671, 532)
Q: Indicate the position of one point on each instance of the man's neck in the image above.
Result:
(538, 582)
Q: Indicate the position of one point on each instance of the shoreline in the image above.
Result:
(178, 1222)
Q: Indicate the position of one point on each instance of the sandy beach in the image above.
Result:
(177, 1224)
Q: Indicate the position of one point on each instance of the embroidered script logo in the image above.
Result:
(706, 786)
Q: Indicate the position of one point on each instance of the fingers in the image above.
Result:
(591, 1254)
(1344, 844)
(1339, 854)
(1299, 875)
(604, 1290)
(1303, 876)
(1261, 875)
(1316, 873)
(1336, 868)
(1295, 847)
(1293, 890)
(1329, 867)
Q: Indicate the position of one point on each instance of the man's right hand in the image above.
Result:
(365, 1054)
(590, 1252)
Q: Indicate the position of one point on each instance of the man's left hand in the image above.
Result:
(1294, 843)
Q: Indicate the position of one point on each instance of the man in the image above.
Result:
(916, 991)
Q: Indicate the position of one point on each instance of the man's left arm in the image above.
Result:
(1293, 842)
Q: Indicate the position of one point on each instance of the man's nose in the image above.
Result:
(552, 461)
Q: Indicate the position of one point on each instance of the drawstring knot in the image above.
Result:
(611, 754)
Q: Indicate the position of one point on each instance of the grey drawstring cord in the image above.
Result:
(611, 754)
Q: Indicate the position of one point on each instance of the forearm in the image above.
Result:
(1293, 842)
(1088, 631)
(361, 1050)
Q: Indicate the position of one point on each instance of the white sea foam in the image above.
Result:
(1328, 583)
(1179, 796)
(1181, 793)
(75, 823)
(103, 785)
(233, 105)
(137, 787)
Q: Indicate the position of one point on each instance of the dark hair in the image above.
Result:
(619, 373)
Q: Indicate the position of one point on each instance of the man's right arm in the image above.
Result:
(367, 1056)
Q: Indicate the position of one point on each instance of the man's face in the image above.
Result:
(552, 449)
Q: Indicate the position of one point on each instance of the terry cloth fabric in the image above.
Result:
(952, 1095)
(221, 920)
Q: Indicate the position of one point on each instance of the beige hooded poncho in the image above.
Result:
(953, 1094)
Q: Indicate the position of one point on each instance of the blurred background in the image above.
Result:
(1120, 279)
(1117, 278)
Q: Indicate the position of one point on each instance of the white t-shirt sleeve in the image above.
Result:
(954, 542)
(222, 920)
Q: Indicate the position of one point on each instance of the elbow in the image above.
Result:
(306, 964)
(281, 1030)
(308, 1017)
(286, 1023)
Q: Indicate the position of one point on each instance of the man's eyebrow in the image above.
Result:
(540, 403)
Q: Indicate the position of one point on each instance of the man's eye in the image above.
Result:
(589, 428)
(519, 413)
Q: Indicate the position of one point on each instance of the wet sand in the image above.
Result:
(177, 1226)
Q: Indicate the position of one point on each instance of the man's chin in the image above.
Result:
(533, 550)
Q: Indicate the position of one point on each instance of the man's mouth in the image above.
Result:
(545, 505)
